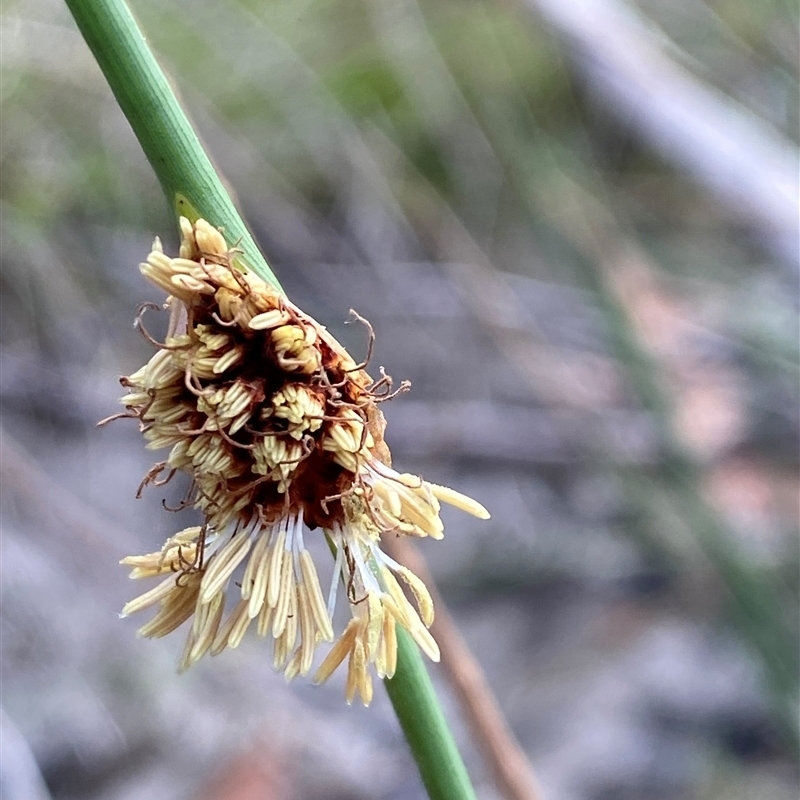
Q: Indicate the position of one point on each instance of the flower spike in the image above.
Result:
(280, 433)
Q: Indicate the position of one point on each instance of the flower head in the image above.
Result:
(280, 433)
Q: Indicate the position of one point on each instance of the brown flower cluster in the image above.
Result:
(280, 432)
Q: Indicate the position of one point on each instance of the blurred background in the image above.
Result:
(574, 227)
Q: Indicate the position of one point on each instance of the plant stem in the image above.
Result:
(187, 176)
(425, 727)
(194, 189)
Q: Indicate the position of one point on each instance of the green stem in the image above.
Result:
(194, 189)
(425, 727)
(187, 176)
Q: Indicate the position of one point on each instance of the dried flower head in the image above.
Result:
(280, 433)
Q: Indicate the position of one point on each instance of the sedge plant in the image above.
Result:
(281, 434)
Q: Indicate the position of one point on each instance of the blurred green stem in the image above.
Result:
(194, 189)
(755, 602)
